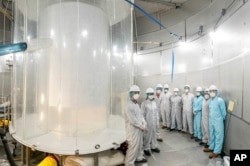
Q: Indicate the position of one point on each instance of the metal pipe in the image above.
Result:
(12, 48)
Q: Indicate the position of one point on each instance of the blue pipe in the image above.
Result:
(152, 18)
(12, 48)
(161, 25)
(172, 72)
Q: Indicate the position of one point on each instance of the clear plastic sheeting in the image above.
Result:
(68, 97)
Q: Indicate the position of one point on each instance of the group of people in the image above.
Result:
(201, 115)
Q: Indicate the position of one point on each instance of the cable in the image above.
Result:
(161, 25)
(6, 6)
(5, 13)
(172, 72)
(6, 148)
(152, 18)
(223, 12)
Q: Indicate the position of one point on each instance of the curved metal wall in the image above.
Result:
(228, 54)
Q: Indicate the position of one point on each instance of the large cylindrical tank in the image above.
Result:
(68, 97)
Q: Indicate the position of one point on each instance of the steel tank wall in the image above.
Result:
(222, 60)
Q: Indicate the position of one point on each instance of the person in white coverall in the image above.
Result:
(165, 107)
(158, 92)
(176, 110)
(149, 110)
(135, 126)
(187, 113)
(204, 119)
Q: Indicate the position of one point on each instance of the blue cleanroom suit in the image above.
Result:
(197, 107)
(217, 115)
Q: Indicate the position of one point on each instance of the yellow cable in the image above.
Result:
(2, 10)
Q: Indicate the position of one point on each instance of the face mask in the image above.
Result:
(175, 93)
(206, 96)
(151, 97)
(212, 94)
(198, 93)
(136, 96)
(186, 90)
(165, 90)
(158, 91)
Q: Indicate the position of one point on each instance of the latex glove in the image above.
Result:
(194, 112)
(143, 128)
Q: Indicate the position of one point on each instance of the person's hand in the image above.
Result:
(143, 128)
(194, 112)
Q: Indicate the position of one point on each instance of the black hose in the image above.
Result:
(7, 149)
